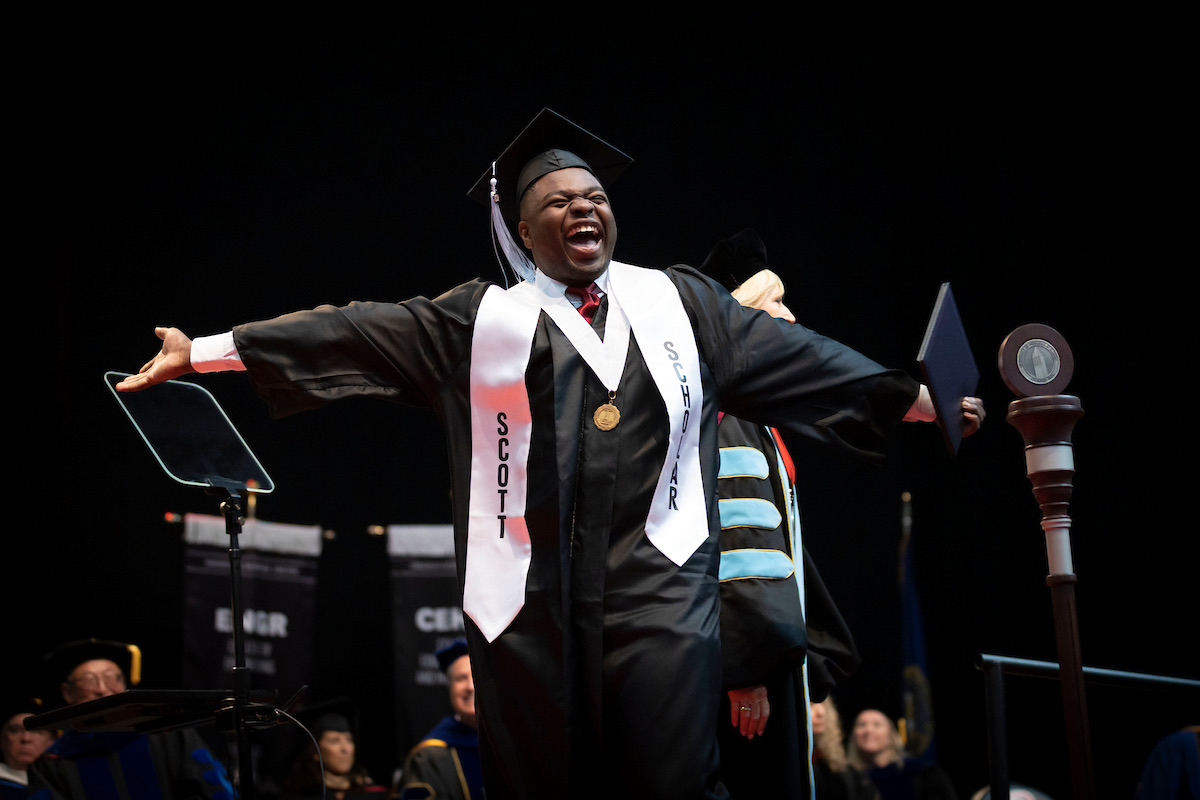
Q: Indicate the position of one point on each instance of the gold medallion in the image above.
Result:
(607, 416)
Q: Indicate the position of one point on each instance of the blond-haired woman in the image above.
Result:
(876, 748)
(833, 776)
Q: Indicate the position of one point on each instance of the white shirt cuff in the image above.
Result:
(216, 354)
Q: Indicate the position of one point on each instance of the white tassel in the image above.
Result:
(514, 254)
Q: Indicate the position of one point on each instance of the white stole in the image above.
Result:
(498, 547)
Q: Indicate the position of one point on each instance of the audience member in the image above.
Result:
(329, 767)
(876, 748)
(113, 764)
(445, 764)
(1173, 767)
(833, 776)
(19, 748)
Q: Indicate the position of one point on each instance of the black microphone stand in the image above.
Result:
(231, 510)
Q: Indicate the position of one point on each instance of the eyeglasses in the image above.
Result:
(16, 729)
(92, 681)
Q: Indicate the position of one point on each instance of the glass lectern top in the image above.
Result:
(188, 432)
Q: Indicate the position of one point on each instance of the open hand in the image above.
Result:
(172, 361)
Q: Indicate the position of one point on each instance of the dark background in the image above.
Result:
(202, 175)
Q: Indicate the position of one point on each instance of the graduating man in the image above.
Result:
(580, 408)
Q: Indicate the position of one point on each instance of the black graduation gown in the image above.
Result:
(766, 636)
(764, 631)
(608, 681)
(444, 765)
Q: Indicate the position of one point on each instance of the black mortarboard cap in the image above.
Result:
(887, 704)
(59, 662)
(451, 653)
(732, 261)
(332, 721)
(548, 143)
(333, 714)
(20, 705)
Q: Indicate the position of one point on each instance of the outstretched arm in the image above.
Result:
(172, 361)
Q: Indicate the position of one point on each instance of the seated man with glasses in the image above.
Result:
(173, 764)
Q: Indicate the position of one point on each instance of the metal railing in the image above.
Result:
(995, 668)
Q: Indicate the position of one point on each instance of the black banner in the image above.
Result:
(279, 578)
(426, 616)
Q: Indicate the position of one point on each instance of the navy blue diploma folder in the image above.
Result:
(948, 366)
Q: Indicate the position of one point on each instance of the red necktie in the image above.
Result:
(590, 300)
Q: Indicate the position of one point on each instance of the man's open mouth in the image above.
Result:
(584, 236)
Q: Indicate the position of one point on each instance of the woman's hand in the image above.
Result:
(749, 710)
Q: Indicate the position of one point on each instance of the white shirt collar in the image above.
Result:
(15, 775)
(601, 281)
